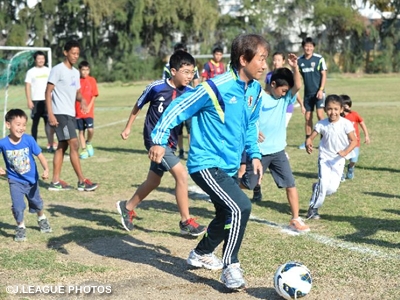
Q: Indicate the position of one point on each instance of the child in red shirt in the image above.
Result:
(85, 122)
(356, 119)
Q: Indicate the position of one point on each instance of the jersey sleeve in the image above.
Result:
(146, 96)
(54, 76)
(206, 71)
(181, 109)
(28, 77)
(94, 87)
(251, 145)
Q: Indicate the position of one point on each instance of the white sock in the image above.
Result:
(42, 217)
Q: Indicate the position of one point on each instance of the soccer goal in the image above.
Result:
(14, 63)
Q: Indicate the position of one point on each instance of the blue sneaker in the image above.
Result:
(343, 179)
(302, 146)
(350, 173)
(89, 149)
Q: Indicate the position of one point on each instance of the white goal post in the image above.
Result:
(20, 50)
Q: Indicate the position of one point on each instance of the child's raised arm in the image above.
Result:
(309, 142)
(365, 130)
(2, 172)
(43, 162)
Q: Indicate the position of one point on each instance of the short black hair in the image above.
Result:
(279, 53)
(346, 100)
(217, 49)
(333, 98)
(14, 113)
(180, 46)
(83, 63)
(181, 58)
(71, 44)
(282, 76)
(307, 40)
(38, 53)
(246, 45)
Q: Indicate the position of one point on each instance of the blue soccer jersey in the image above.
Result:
(159, 94)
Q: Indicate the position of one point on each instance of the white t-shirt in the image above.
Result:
(334, 137)
(37, 78)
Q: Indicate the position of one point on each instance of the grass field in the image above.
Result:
(353, 252)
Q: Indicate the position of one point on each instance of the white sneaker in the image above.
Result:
(232, 277)
(208, 261)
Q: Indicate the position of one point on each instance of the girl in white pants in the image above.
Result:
(337, 142)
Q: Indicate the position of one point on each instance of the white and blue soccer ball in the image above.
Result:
(292, 280)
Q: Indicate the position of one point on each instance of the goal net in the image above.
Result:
(14, 63)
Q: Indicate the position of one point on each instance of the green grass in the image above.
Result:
(353, 252)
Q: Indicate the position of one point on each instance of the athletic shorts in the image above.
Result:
(82, 124)
(39, 110)
(187, 124)
(356, 153)
(279, 166)
(311, 101)
(169, 161)
(19, 191)
(65, 130)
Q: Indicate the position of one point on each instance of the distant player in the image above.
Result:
(63, 90)
(314, 71)
(35, 88)
(18, 151)
(356, 119)
(159, 95)
(214, 66)
(85, 121)
(337, 143)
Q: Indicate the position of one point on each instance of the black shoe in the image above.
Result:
(181, 154)
(191, 227)
(257, 195)
(313, 214)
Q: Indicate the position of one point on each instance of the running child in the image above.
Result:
(337, 143)
(278, 95)
(356, 119)
(159, 95)
(18, 150)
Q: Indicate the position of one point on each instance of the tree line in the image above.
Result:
(129, 39)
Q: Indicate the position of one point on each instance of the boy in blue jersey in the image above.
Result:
(159, 95)
(195, 81)
(313, 69)
(279, 93)
(18, 149)
(224, 113)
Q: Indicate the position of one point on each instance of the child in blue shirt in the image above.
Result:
(279, 93)
(18, 150)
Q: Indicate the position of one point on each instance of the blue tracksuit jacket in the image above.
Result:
(224, 114)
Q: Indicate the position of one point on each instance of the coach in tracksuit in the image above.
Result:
(225, 110)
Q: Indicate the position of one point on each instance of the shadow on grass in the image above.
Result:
(108, 243)
(279, 207)
(122, 150)
(381, 195)
(264, 293)
(306, 174)
(6, 226)
(152, 204)
(367, 227)
(379, 169)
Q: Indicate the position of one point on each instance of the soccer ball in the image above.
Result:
(292, 280)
